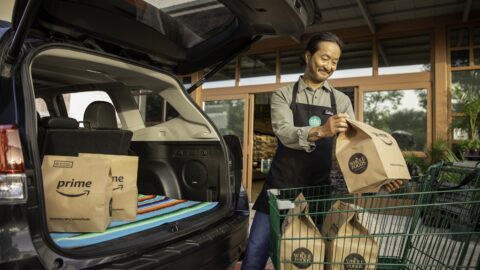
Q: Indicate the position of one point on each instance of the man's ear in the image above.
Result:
(307, 56)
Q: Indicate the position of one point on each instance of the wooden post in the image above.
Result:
(440, 85)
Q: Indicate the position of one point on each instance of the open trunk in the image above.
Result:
(182, 157)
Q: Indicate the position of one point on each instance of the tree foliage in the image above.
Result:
(383, 110)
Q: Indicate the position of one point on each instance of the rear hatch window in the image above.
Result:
(186, 22)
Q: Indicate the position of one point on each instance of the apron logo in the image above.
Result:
(328, 112)
(358, 163)
(302, 258)
(354, 261)
(315, 121)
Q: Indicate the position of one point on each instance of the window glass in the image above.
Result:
(257, 69)
(185, 22)
(476, 56)
(404, 55)
(264, 142)
(460, 128)
(460, 58)
(350, 92)
(459, 37)
(77, 103)
(225, 77)
(227, 115)
(153, 108)
(355, 61)
(402, 113)
(41, 107)
(465, 86)
(291, 65)
(476, 35)
(263, 122)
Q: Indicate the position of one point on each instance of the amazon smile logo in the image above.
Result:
(86, 185)
(119, 187)
(118, 182)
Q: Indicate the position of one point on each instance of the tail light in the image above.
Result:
(12, 168)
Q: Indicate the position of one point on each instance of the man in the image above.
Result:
(305, 118)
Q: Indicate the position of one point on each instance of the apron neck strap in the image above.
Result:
(294, 99)
(333, 102)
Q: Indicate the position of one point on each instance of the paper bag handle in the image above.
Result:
(301, 207)
(336, 219)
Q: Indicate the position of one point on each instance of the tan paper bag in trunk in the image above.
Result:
(306, 253)
(124, 180)
(369, 158)
(78, 193)
(349, 244)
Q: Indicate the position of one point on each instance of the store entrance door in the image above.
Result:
(229, 116)
(263, 144)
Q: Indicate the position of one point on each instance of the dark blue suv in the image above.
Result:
(102, 77)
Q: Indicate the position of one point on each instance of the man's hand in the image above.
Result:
(334, 125)
(394, 185)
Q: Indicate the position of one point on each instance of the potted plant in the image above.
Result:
(470, 148)
(469, 104)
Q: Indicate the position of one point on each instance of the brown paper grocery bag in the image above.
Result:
(349, 245)
(124, 180)
(78, 193)
(305, 253)
(369, 158)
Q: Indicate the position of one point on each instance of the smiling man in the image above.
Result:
(305, 117)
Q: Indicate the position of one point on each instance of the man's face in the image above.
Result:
(323, 62)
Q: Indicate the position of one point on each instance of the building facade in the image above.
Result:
(406, 77)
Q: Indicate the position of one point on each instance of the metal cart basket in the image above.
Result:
(431, 222)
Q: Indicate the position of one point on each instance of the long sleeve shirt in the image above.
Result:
(282, 117)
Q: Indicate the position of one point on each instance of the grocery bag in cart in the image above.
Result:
(301, 246)
(349, 246)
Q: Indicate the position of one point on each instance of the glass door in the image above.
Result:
(230, 118)
(263, 144)
(227, 115)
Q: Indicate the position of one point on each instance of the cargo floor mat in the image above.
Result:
(152, 211)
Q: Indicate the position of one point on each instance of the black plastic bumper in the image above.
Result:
(216, 248)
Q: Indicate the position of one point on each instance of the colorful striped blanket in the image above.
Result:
(152, 211)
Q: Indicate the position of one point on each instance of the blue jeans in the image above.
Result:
(256, 255)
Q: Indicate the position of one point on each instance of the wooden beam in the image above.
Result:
(381, 51)
(440, 85)
(375, 57)
(366, 15)
(360, 33)
(371, 25)
(466, 11)
(197, 95)
(227, 92)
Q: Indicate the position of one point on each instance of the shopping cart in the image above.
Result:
(429, 223)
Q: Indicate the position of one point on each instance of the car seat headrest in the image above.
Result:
(100, 115)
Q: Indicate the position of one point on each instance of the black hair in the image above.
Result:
(312, 45)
